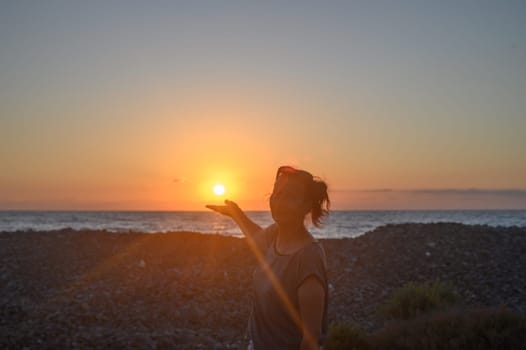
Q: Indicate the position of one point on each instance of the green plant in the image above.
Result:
(454, 329)
(415, 299)
(346, 336)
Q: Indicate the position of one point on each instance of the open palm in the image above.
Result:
(230, 208)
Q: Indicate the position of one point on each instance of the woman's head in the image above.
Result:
(297, 193)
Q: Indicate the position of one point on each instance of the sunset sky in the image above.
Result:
(146, 105)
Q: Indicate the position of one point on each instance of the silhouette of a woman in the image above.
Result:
(290, 282)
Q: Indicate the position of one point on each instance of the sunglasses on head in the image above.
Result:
(290, 171)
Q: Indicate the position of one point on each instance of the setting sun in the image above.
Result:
(219, 189)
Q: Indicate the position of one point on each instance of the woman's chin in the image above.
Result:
(279, 219)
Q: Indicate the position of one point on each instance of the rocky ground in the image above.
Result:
(86, 290)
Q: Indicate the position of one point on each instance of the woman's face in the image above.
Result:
(288, 203)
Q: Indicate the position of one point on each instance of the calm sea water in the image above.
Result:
(340, 223)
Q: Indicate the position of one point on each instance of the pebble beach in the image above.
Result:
(184, 290)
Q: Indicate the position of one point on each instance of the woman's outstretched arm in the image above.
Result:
(231, 209)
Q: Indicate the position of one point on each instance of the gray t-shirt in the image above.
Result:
(271, 325)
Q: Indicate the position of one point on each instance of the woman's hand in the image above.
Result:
(230, 209)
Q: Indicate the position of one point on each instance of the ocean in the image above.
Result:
(340, 224)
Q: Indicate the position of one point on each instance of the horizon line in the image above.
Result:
(246, 210)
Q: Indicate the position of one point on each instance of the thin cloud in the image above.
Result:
(374, 190)
(378, 190)
(508, 192)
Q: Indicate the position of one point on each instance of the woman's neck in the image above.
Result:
(291, 236)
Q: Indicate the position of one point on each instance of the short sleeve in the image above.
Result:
(313, 262)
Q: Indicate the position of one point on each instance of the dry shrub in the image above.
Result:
(346, 336)
(414, 299)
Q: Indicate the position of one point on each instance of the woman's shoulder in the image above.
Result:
(271, 232)
(312, 261)
(265, 237)
(313, 250)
